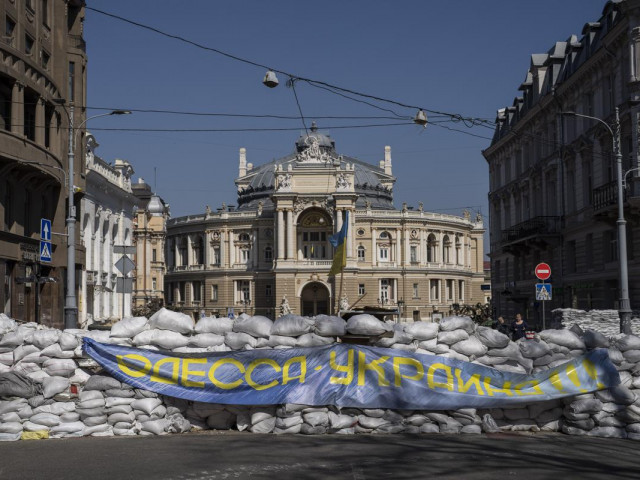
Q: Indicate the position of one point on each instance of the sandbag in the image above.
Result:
(7, 324)
(60, 367)
(14, 384)
(291, 325)
(204, 340)
(450, 337)
(219, 326)
(492, 338)
(177, 322)
(257, 326)
(44, 338)
(449, 324)
(52, 386)
(221, 420)
(101, 382)
(533, 349)
(624, 343)
(365, 324)
(564, 338)
(593, 339)
(470, 347)
(277, 340)
(313, 340)
(238, 340)
(422, 330)
(129, 327)
(329, 326)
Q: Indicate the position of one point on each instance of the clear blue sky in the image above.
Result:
(458, 56)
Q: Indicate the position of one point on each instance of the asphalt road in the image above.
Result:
(207, 456)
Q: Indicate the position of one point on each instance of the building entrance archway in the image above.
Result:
(314, 300)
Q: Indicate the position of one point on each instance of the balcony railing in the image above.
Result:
(543, 225)
(605, 195)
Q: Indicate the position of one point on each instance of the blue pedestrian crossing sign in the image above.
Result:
(543, 291)
(45, 229)
(45, 251)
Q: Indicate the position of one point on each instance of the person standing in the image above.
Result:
(518, 328)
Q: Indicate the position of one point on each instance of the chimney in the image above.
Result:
(387, 160)
(242, 169)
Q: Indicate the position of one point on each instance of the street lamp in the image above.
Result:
(71, 303)
(624, 307)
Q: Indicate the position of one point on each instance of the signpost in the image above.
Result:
(543, 290)
(45, 240)
(125, 265)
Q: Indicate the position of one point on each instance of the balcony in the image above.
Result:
(605, 196)
(535, 231)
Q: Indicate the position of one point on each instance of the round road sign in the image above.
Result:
(543, 271)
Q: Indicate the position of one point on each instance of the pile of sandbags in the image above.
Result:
(49, 389)
(606, 322)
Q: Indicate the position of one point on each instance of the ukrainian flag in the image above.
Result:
(339, 242)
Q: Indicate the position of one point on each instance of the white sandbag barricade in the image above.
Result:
(52, 389)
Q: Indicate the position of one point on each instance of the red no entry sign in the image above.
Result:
(543, 271)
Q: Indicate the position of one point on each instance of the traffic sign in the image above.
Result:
(124, 285)
(45, 251)
(45, 229)
(543, 271)
(125, 249)
(543, 291)
(125, 265)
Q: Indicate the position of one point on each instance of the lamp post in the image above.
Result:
(624, 307)
(70, 302)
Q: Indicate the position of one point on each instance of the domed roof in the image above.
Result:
(366, 177)
(155, 206)
(324, 141)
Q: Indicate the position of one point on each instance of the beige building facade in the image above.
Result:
(274, 248)
(149, 234)
(553, 183)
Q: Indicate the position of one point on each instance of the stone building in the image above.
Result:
(42, 73)
(274, 246)
(553, 185)
(150, 230)
(107, 210)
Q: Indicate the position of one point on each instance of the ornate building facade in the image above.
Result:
(553, 186)
(150, 230)
(274, 246)
(42, 73)
(107, 210)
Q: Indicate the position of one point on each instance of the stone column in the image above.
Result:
(17, 108)
(350, 235)
(176, 251)
(374, 253)
(232, 250)
(280, 228)
(255, 249)
(290, 234)
(398, 246)
(189, 250)
(223, 250)
(205, 254)
(338, 221)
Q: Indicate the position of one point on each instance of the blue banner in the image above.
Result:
(346, 376)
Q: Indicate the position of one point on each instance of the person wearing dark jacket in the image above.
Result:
(518, 328)
(501, 326)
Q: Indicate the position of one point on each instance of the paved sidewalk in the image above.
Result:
(209, 456)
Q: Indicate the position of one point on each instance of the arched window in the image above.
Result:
(360, 253)
(446, 249)
(268, 253)
(314, 230)
(243, 237)
(431, 248)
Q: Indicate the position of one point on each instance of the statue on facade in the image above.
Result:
(344, 303)
(367, 204)
(341, 182)
(207, 210)
(405, 208)
(284, 182)
(224, 207)
(284, 306)
(466, 214)
(420, 206)
(260, 206)
(479, 218)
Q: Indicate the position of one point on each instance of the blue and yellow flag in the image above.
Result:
(339, 242)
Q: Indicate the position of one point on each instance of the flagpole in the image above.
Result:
(340, 294)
